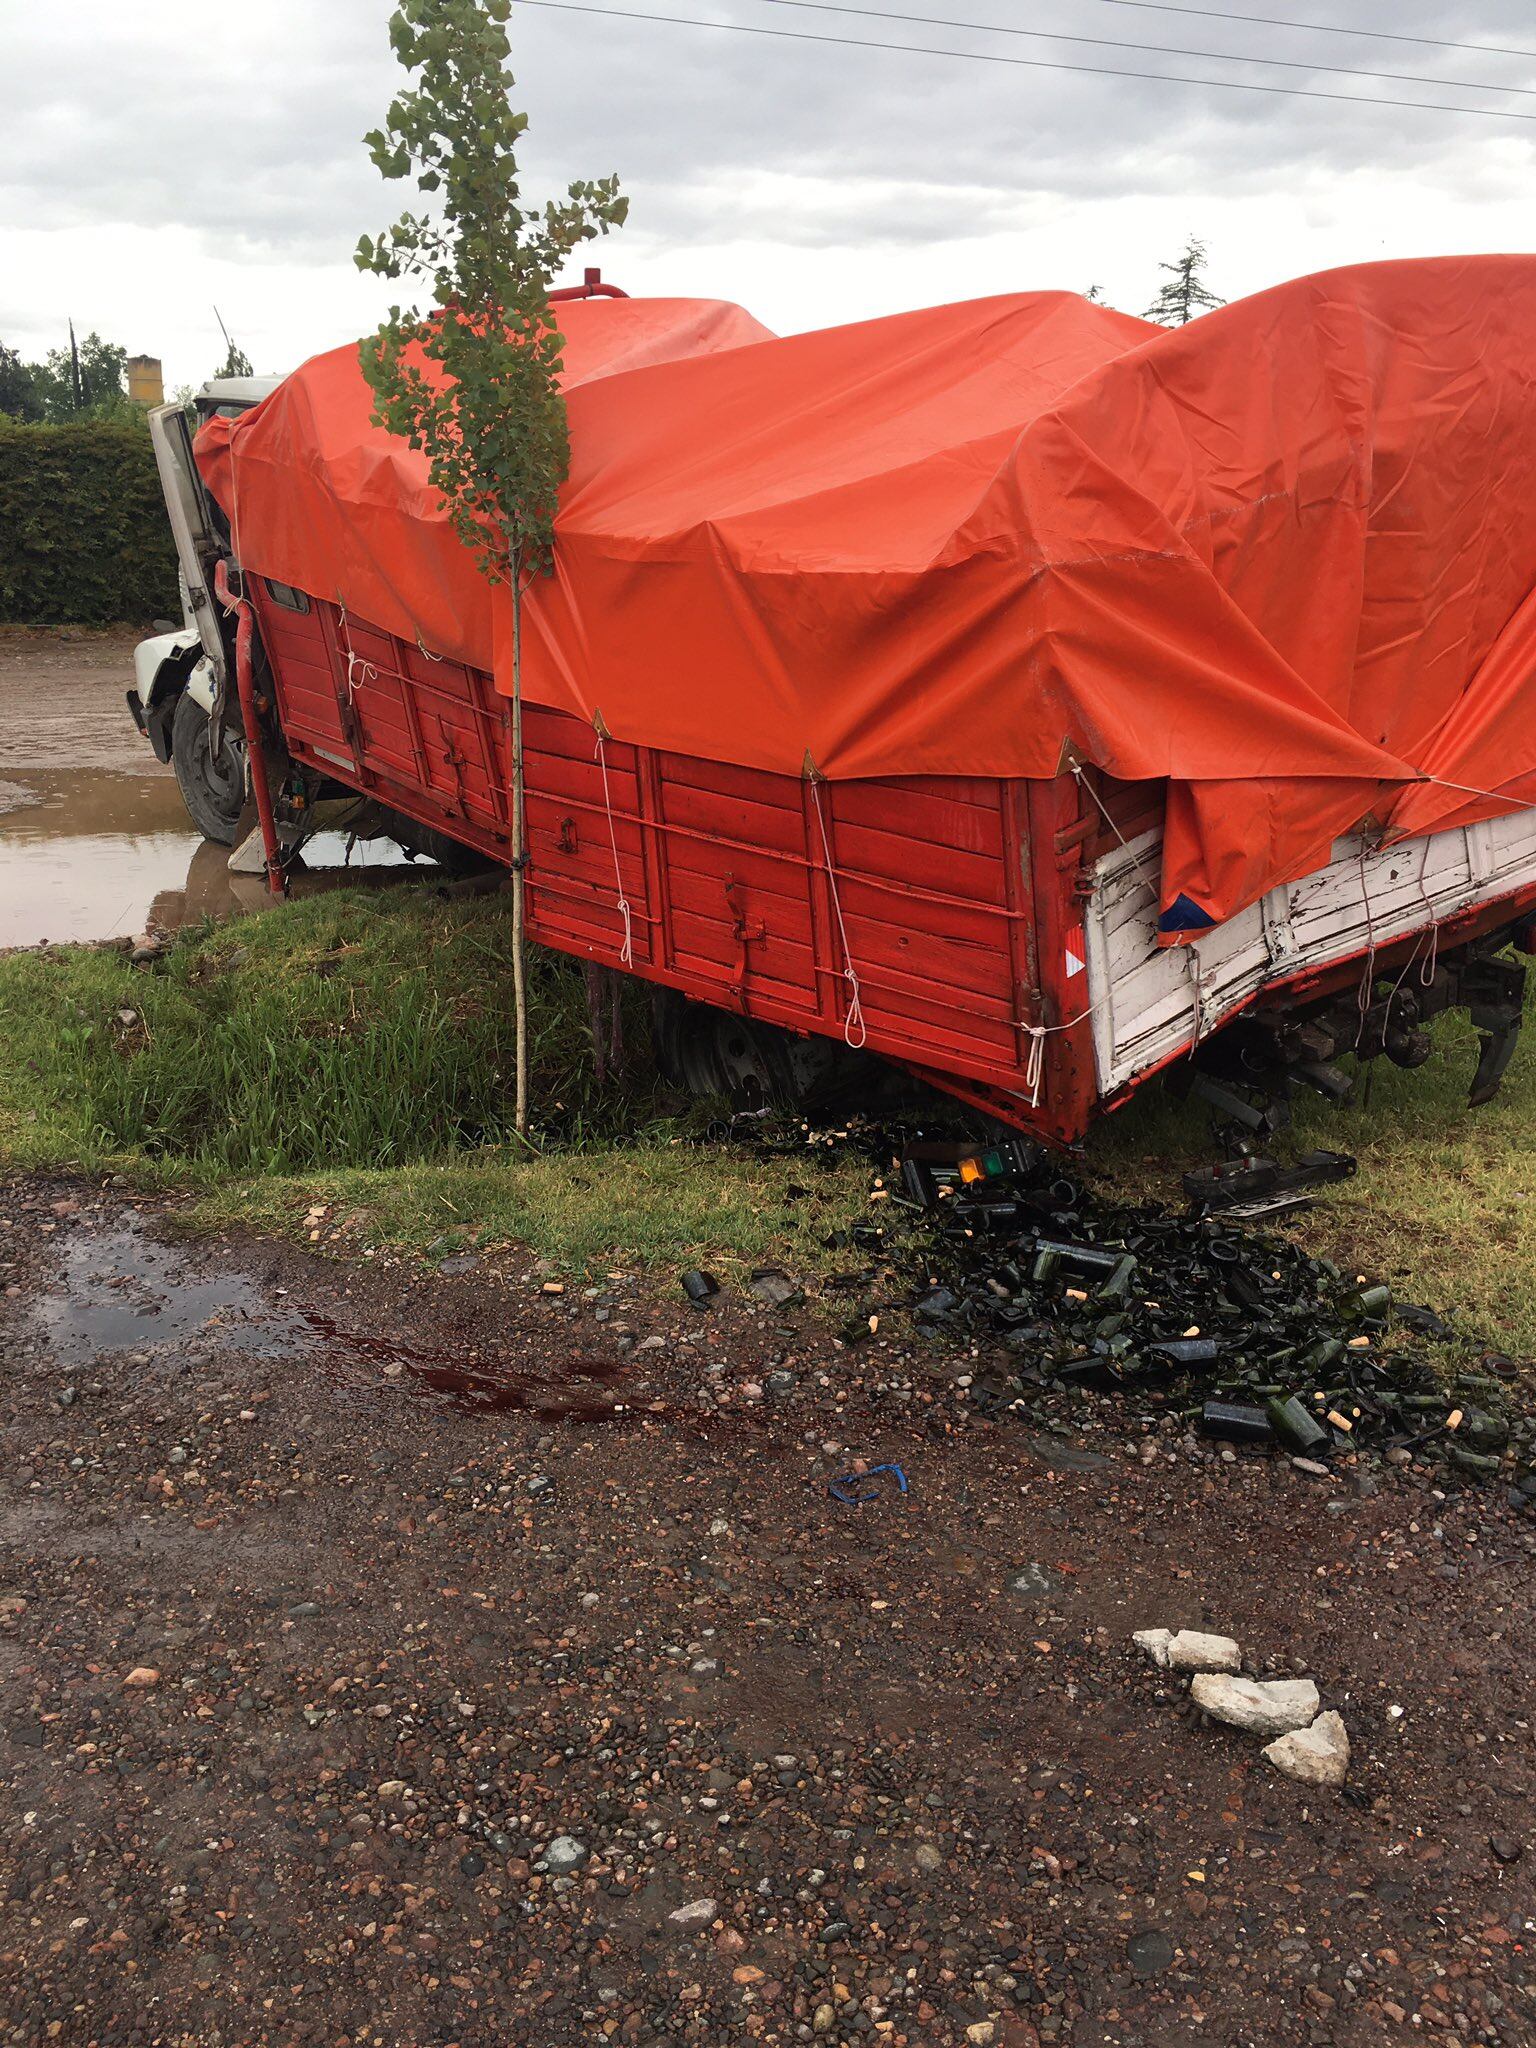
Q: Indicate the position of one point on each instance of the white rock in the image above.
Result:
(1155, 1642)
(1318, 1755)
(1192, 1651)
(697, 1913)
(564, 1855)
(1263, 1707)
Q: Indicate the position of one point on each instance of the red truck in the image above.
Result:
(1032, 943)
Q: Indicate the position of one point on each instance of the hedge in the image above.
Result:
(83, 533)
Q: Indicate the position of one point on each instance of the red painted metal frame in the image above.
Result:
(591, 287)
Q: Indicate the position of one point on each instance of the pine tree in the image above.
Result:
(1186, 293)
(236, 362)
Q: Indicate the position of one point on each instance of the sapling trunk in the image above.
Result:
(519, 854)
(488, 410)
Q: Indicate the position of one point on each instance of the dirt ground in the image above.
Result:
(332, 1597)
(63, 702)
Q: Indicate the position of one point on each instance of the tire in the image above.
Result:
(714, 1053)
(212, 790)
(427, 843)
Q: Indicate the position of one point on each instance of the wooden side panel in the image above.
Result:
(585, 842)
(426, 737)
(909, 902)
(1148, 997)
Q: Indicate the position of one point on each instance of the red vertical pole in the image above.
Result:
(1069, 1089)
(245, 632)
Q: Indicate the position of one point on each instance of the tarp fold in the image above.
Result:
(1283, 557)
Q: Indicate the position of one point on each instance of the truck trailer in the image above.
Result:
(1021, 693)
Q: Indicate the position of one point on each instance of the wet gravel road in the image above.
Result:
(404, 1660)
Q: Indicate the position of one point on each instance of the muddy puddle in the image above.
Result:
(121, 1291)
(123, 1296)
(95, 842)
(95, 855)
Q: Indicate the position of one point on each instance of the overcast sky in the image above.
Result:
(161, 158)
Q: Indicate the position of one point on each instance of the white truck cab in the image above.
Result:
(177, 698)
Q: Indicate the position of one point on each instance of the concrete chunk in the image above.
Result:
(1192, 1651)
(1318, 1755)
(1262, 1707)
(1155, 1642)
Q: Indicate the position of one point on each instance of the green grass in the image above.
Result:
(1443, 1206)
(357, 1052)
(354, 1052)
(651, 1202)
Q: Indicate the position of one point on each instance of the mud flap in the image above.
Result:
(1494, 993)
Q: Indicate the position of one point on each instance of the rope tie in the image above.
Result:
(627, 950)
(1194, 975)
(1368, 972)
(1086, 787)
(426, 651)
(1037, 1034)
(854, 1031)
(357, 669)
(1471, 789)
(1432, 958)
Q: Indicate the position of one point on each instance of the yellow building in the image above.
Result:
(146, 380)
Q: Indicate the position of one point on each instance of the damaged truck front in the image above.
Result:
(1022, 693)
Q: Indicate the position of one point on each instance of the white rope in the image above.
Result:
(627, 950)
(1407, 968)
(1195, 970)
(1432, 958)
(1368, 972)
(1471, 789)
(425, 649)
(1037, 1034)
(854, 1032)
(1138, 860)
(356, 666)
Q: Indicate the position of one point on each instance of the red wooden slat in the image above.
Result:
(936, 879)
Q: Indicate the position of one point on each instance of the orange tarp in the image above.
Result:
(1283, 557)
(306, 478)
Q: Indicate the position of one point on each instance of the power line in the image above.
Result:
(793, 35)
(1320, 28)
(1049, 35)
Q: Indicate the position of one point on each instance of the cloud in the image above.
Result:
(156, 159)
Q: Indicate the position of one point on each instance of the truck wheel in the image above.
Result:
(212, 787)
(709, 1052)
(425, 841)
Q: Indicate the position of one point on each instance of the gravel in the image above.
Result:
(918, 1806)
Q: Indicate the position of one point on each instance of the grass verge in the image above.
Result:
(1443, 1205)
(355, 1053)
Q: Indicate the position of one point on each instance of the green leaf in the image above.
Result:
(493, 425)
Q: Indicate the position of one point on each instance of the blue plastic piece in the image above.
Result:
(852, 1489)
(1184, 915)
